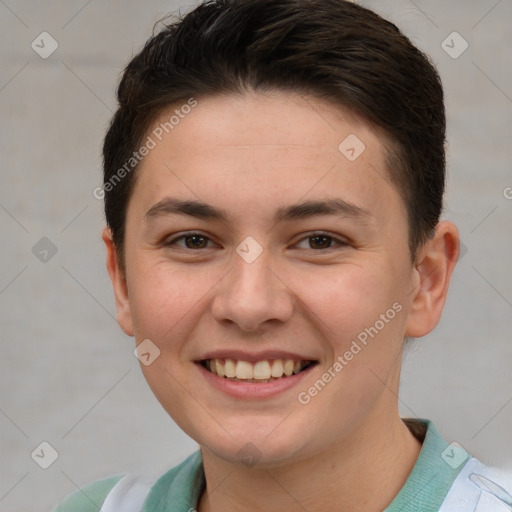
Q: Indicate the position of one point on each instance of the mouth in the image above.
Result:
(267, 370)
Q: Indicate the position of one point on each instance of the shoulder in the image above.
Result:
(89, 498)
(479, 488)
(183, 482)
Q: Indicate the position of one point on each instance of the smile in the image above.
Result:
(264, 371)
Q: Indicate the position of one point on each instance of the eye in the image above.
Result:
(314, 241)
(319, 241)
(189, 241)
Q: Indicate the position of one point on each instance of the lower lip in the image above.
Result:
(253, 389)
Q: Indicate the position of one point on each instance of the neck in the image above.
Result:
(368, 467)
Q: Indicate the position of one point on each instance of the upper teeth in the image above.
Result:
(260, 370)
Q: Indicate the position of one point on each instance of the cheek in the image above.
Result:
(361, 315)
(161, 298)
(348, 298)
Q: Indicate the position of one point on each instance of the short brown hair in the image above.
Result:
(332, 49)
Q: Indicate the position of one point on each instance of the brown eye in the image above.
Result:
(189, 241)
(320, 242)
(195, 241)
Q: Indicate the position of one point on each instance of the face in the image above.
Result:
(262, 237)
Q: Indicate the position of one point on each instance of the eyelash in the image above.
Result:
(337, 241)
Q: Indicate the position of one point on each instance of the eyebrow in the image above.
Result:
(307, 209)
(202, 210)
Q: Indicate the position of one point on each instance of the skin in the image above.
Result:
(250, 155)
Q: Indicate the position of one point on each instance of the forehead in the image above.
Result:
(262, 149)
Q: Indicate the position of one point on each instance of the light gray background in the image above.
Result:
(68, 375)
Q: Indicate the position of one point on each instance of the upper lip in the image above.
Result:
(240, 355)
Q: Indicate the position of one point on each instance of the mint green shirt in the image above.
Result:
(180, 488)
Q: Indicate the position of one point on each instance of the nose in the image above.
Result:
(253, 295)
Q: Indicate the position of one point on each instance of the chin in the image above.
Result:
(261, 446)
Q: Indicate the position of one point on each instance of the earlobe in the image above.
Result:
(435, 263)
(118, 278)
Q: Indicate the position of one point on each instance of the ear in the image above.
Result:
(118, 278)
(434, 266)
